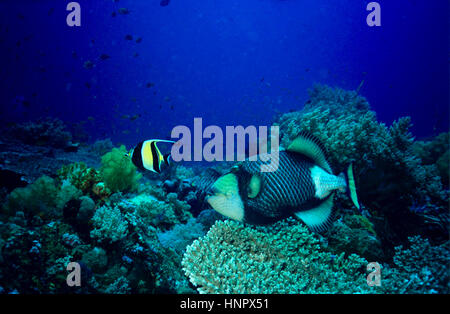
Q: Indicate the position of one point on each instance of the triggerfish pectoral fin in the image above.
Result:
(146, 155)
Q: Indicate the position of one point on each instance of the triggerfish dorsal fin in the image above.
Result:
(308, 145)
(319, 218)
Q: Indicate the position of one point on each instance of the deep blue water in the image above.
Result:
(230, 62)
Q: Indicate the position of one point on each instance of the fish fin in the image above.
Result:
(167, 158)
(160, 157)
(319, 218)
(351, 187)
(163, 141)
(310, 146)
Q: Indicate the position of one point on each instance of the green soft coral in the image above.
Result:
(118, 172)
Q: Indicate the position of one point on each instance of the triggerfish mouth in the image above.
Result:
(303, 186)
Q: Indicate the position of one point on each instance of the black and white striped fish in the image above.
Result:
(303, 186)
(147, 156)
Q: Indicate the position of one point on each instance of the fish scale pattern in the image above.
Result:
(290, 186)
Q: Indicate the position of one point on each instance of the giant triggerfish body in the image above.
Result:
(303, 186)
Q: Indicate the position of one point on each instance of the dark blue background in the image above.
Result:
(230, 62)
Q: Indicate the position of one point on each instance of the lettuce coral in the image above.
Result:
(283, 258)
(118, 172)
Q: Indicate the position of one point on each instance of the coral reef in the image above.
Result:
(133, 233)
(181, 235)
(38, 198)
(350, 131)
(80, 176)
(45, 132)
(75, 217)
(421, 268)
(391, 176)
(118, 172)
(346, 237)
(436, 151)
(284, 258)
(109, 224)
(101, 147)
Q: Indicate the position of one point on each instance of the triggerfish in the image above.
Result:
(147, 156)
(303, 186)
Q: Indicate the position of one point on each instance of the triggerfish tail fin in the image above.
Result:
(351, 187)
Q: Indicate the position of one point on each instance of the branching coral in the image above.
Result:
(110, 225)
(421, 268)
(283, 258)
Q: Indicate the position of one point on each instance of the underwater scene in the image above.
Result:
(224, 147)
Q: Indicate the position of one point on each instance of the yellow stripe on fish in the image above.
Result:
(147, 156)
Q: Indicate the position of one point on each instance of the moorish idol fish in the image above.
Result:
(147, 156)
(303, 186)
